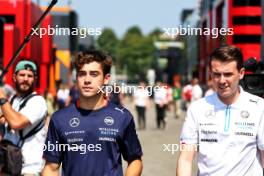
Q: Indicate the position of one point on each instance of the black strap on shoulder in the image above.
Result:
(12, 99)
(23, 104)
(37, 128)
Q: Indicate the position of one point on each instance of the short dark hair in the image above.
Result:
(94, 56)
(227, 53)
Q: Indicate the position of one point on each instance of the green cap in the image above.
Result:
(25, 65)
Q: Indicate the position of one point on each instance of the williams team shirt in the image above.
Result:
(228, 137)
(91, 143)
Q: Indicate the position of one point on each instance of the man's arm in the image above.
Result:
(134, 168)
(15, 119)
(262, 157)
(184, 164)
(2, 120)
(51, 169)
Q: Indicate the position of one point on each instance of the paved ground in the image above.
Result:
(157, 160)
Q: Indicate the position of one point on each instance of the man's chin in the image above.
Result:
(224, 95)
(90, 94)
(24, 91)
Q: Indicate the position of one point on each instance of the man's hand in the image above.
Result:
(262, 157)
(2, 93)
(51, 169)
(184, 164)
(2, 120)
(134, 168)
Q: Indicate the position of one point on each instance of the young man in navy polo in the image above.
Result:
(89, 137)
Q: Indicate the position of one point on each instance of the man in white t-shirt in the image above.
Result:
(225, 129)
(160, 100)
(141, 99)
(210, 88)
(24, 118)
(63, 96)
(197, 91)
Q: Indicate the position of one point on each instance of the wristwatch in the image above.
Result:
(3, 101)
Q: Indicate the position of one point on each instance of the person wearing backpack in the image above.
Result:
(24, 116)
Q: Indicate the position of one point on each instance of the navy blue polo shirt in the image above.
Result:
(91, 143)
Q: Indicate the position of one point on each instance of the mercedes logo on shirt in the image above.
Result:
(109, 120)
(210, 114)
(244, 114)
(74, 122)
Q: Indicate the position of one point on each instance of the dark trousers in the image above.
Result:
(141, 117)
(160, 116)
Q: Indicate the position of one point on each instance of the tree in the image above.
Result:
(136, 52)
(108, 42)
(155, 33)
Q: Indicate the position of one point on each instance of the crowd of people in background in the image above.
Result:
(175, 98)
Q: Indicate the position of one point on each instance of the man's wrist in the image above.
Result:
(3, 101)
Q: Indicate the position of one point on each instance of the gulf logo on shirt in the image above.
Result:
(109, 120)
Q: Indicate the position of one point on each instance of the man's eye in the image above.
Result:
(94, 74)
(80, 74)
(216, 74)
(228, 74)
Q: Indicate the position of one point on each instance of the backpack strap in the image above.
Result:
(26, 100)
(36, 129)
(12, 99)
(23, 104)
(32, 132)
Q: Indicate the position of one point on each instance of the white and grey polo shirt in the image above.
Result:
(228, 137)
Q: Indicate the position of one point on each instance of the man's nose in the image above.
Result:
(87, 79)
(25, 77)
(222, 79)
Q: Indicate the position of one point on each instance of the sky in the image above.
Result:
(122, 14)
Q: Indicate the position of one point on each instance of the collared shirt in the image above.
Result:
(228, 137)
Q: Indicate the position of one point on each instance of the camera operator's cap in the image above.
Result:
(25, 65)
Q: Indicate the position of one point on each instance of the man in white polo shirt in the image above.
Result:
(225, 129)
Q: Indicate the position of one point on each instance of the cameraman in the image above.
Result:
(26, 119)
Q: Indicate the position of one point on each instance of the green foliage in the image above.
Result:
(134, 54)
(108, 42)
(155, 33)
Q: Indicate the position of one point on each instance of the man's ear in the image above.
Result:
(14, 78)
(242, 73)
(106, 79)
(210, 72)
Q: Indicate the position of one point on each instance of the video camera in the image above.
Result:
(253, 82)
